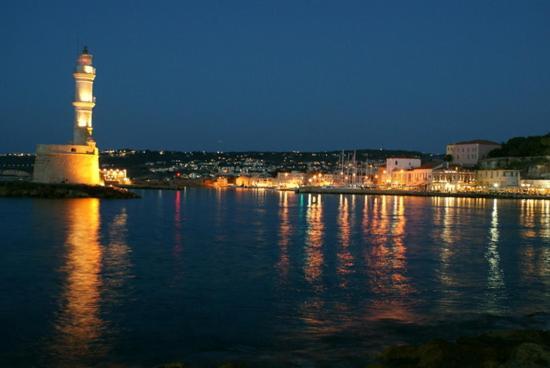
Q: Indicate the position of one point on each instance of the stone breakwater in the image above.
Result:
(38, 190)
(501, 195)
(499, 349)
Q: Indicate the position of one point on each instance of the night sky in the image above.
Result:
(277, 75)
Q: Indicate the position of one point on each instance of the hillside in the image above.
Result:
(524, 147)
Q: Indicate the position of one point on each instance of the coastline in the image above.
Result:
(487, 195)
(357, 191)
(61, 191)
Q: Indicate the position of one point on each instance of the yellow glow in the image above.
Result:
(79, 322)
(314, 239)
(285, 232)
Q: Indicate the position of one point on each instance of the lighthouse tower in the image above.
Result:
(84, 100)
(78, 162)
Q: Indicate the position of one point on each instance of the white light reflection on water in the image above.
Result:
(496, 292)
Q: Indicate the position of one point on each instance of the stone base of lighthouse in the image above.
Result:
(67, 164)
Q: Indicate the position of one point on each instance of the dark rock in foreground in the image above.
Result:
(501, 349)
(498, 349)
(38, 190)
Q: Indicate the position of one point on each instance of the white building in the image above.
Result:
(499, 178)
(469, 153)
(393, 163)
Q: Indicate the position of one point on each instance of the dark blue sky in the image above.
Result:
(278, 75)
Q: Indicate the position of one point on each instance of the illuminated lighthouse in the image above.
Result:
(84, 100)
(78, 162)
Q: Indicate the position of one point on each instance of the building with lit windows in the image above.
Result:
(452, 179)
(469, 153)
(499, 178)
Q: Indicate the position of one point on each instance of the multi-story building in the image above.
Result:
(499, 178)
(293, 179)
(468, 153)
(394, 163)
(452, 179)
(418, 178)
(115, 176)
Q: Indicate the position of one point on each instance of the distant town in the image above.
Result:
(521, 165)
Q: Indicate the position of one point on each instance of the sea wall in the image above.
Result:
(70, 164)
(40, 190)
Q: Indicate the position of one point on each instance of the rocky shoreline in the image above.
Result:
(496, 349)
(38, 190)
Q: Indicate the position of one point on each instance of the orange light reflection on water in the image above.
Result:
(285, 232)
(386, 260)
(79, 323)
(345, 224)
(314, 238)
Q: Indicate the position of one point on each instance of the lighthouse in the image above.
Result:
(84, 100)
(77, 162)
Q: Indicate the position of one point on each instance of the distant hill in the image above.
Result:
(524, 147)
(139, 162)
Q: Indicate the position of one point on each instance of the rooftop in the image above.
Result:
(479, 141)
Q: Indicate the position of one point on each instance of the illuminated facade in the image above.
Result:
(115, 176)
(78, 162)
(498, 178)
(290, 180)
(452, 179)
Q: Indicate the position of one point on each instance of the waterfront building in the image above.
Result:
(254, 181)
(78, 162)
(290, 180)
(452, 179)
(14, 175)
(394, 163)
(243, 181)
(417, 178)
(263, 182)
(498, 178)
(469, 153)
(115, 176)
(539, 186)
(320, 179)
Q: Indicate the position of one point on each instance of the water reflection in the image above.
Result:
(314, 239)
(534, 218)
(495, 282)
(445, 214)
(177, 225)
(535, 224)
(345, 224)
(177, 247)
(79, 324)
(387, 261)
(116, 259)
(285, 232)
